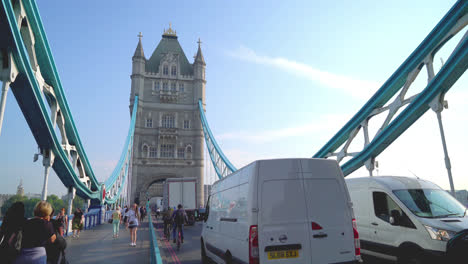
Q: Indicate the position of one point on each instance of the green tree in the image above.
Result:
(29, 205)
(78, 202)
(56, 203)
(15, 198)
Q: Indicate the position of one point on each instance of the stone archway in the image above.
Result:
(153, 187)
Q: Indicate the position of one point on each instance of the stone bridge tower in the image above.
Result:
(168, 140)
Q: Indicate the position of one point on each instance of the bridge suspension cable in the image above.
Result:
(221, 164)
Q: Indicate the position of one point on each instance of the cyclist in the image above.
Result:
(167, 218)
(180, 217)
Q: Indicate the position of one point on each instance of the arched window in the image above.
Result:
(165, 70)
(173, 70)
(188, 152)
(168, 121)
(144, 153)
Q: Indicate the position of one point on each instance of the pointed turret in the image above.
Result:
(139, 49)
(138, 71)
(199, 57)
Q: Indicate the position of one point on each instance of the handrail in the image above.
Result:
(154, 251)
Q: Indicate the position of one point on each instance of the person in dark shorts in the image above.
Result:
(37, 233)
(77, 222)
(133, 217)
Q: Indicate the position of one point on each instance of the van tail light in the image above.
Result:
(316, 226)
(253, 245)
(357, 244)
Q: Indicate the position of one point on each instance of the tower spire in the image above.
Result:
(199, 57)
(139, 49)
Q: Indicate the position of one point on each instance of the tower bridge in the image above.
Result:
(168, 123)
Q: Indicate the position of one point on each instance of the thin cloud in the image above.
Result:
(358, 88)
(326, 123)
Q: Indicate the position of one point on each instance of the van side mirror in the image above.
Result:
(205, 215)
(395, 217)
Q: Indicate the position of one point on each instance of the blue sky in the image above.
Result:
(282, 78)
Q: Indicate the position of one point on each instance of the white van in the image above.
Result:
(408, 220)
(281, 211)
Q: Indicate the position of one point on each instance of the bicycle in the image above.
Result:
(179, 237)
(167, 230)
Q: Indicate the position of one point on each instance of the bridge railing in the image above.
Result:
(91, 219)
(154, 250)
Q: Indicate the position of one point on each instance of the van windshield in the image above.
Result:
(431, 203)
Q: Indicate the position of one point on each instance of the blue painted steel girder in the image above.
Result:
(429, 45)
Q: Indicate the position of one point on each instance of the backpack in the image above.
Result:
(10, 246)
(180, 217)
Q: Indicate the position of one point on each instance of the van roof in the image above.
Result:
(394, 182)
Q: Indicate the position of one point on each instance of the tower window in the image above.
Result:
(165, 70)
(181, 87)
(145, 151)
(181, 153)
(149, 122)
(168, 121)
(173, 70)
(167, 150)
(153, 153)
(165, 86)
(173, 87)
(186, 124)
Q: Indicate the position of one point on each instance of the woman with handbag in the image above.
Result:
(132, 224)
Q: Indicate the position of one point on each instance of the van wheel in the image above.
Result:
(204, 257)
(411, 256)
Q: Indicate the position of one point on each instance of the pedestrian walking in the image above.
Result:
(133, 223)
(11, 232)
(116, 215)
(62, 219)
(77, 222)
(37, 233)
(56, 251)
(125, 215)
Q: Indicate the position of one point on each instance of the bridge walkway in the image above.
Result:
(97, 246)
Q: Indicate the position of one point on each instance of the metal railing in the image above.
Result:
(154, 250)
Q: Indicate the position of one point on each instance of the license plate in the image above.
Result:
(283, 254)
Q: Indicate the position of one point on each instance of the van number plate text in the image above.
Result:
(283, 254)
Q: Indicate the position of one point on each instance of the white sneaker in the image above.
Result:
(134, 244)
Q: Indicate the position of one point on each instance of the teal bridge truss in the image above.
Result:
(27, 66)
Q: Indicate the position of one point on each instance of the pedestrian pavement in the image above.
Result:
(97, 246)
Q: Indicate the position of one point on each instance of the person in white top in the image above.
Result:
(132, 223)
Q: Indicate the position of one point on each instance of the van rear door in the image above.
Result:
(329, 214)
(282, 222)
